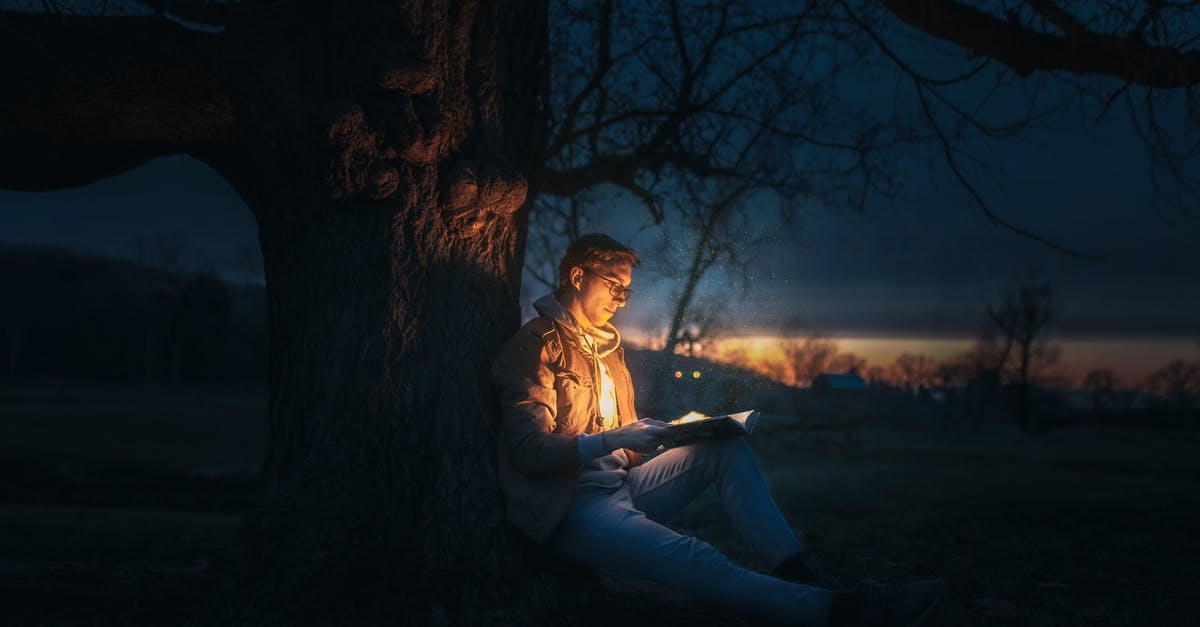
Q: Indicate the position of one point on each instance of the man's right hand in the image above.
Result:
(643, 436)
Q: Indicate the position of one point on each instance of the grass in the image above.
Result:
(1088, 525)
(86, 427)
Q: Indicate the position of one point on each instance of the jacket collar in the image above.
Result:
(606, 339)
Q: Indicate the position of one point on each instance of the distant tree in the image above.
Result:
(845, 363)
(808, 358)
(1102, 384)
(912, 372)
(706, 323)
(876, 375)
(1178, 381)
(1021, 318)
(24, 290)
(202, 330)
(716, 231)
(955, 372)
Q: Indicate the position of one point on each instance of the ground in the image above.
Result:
(116, 491)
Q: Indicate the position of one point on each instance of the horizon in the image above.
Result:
(1133, 359)
(1132, 356)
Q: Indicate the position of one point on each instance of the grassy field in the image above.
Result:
(1082, 526)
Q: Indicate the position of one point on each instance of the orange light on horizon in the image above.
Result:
(1132, 358)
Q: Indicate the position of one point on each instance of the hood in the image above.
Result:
(605, 338)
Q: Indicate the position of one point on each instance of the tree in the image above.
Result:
(1102, 383)
(385, 151)
(1021, 317)
(911, 372)
(808, 358)
(1178, 381)
(1126, 52)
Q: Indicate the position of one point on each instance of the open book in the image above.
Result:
(694, 426)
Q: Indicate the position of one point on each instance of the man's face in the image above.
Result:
(596, 299)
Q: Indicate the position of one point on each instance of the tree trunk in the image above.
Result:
(392, 224)
(380, 474)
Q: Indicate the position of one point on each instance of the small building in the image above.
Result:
(831, 383)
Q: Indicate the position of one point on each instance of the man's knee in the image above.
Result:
(724, 449)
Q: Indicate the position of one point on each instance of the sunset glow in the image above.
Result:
(1132, 359)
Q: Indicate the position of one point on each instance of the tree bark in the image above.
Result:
(392, 223)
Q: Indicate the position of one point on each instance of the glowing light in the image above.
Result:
(691, 416)
(678, 374)
(695, 374)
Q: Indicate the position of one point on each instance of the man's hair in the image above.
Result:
(592, 251)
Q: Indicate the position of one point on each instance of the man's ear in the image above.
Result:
(577, 278)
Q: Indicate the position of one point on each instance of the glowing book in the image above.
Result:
(695, 426)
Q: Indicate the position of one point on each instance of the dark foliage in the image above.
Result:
(76, 316)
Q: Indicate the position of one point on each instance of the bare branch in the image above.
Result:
(1026, 51)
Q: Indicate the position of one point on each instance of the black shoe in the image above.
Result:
(797, 570)
(874, 604)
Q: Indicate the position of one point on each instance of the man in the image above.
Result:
(574, 477)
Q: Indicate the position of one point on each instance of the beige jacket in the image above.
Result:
(547, 385)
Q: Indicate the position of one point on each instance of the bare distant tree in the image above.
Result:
(717, 231)
(1102, 383)
(911, 372)
(845, 363)
(955, 372)
(876, 375)
(808, 358)
(1179, 381)
(1021, 317)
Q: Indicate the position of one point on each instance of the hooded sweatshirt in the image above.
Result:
(600, 467)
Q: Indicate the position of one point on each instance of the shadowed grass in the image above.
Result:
(1088, 525)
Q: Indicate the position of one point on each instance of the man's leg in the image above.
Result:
(604, 529)
(664, 485)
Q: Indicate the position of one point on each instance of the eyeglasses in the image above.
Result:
(615, 289)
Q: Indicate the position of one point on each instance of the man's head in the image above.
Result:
(593, 276)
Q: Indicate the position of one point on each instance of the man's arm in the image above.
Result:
(528, 408)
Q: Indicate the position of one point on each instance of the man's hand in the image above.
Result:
(643, 436)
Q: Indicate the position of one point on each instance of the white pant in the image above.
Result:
(616, 529)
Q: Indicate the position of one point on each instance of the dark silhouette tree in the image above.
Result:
(1178, 382)
(911, 372)
(808, 358)
(1102, 383)
(1021, 317)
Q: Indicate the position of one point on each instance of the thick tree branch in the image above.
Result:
(1027, 51)
(36, 163)
(125, 80)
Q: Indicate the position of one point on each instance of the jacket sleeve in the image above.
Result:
(528, 407)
